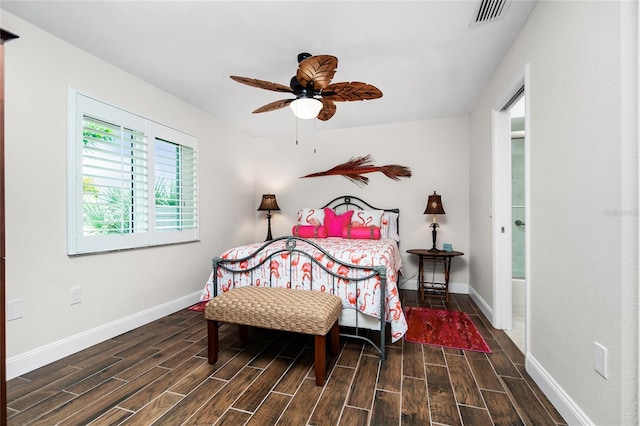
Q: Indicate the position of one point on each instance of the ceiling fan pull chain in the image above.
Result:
(296, 130)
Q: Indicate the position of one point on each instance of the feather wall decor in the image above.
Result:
(357, 166)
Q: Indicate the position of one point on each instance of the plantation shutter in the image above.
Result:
(114, 178)
(175, 186)
(132, 182)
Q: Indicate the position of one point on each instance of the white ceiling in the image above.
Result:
(425, 56)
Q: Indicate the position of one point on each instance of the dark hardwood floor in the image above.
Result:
(158, 374)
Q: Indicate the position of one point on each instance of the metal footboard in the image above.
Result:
(342, 276)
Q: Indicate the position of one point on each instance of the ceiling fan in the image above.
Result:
(314, 95)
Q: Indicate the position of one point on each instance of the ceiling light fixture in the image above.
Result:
(306, 108)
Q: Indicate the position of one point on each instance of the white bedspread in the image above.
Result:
(296, 271)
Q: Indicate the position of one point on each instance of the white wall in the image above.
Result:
(120, 290)
(584, 201)
(436, 151)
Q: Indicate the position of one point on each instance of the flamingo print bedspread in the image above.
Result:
(296, 271)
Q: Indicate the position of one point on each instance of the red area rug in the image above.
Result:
(450, 329)
(198, 307)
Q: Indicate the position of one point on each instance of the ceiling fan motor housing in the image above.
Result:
(300, 91)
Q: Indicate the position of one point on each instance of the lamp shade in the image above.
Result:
(434, 205)
(306, 108)
(268, 203)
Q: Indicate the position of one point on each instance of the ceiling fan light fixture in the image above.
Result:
(306, 108)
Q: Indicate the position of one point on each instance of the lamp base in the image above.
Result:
(434, 236)
(269, 236)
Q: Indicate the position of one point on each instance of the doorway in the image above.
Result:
(510, 212)
(518, 224)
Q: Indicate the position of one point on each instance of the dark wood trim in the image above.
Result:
(4, 36)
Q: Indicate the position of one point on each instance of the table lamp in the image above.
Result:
(434, 207)
(268, 204)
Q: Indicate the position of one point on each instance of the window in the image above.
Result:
(132, 182)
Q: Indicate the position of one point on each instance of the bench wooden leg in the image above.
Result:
(321, 359)
(212, 338)
(335, 339)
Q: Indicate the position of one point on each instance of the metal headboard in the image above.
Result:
(349, 202)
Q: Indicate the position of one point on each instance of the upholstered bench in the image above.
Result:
(298, 311)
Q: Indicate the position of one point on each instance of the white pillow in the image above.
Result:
(313, 217)
(389, 226)
(366, 218)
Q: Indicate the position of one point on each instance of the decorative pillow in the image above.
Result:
(389, 226)
(361, 232)
(308, 231)
(367, 218)
(313, 217)
(336, 223)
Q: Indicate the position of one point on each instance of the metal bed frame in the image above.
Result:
(291, 246)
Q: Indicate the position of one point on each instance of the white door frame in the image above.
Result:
(501, 206)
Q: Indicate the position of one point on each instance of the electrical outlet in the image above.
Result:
(75, 295)
(600, 359)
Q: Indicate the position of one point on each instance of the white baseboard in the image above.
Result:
(482, 304)
(459, 288)
(566, 406)
(36, 358)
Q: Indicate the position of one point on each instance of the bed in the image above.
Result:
(334, 251)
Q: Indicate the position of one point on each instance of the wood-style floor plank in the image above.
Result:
(269, 412)
(226, 395)
(364, 384)
(386, 409)
(190, 404)
(334, 395)
(152, 411)
(474, 416)
(390, 378)
(464, 385)
(259, 389)
(296, 374)
(441, 397)
(483, 371)
(158, 374)
(98, 407)
(527, 403)
(354, 416)
(501, 409)
(302, 405)
(415, 402)
(412, 360)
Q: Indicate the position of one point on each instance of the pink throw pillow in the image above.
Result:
(361, 232)
(308, 231)
(336, 223)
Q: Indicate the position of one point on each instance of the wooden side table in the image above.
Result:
(433, 288)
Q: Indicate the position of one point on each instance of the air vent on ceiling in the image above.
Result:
(489, 10)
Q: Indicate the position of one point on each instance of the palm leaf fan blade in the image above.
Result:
(273, 106)
(348, 92)
(328, 109)
(318, 70)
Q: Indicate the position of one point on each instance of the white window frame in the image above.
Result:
(78, 243)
